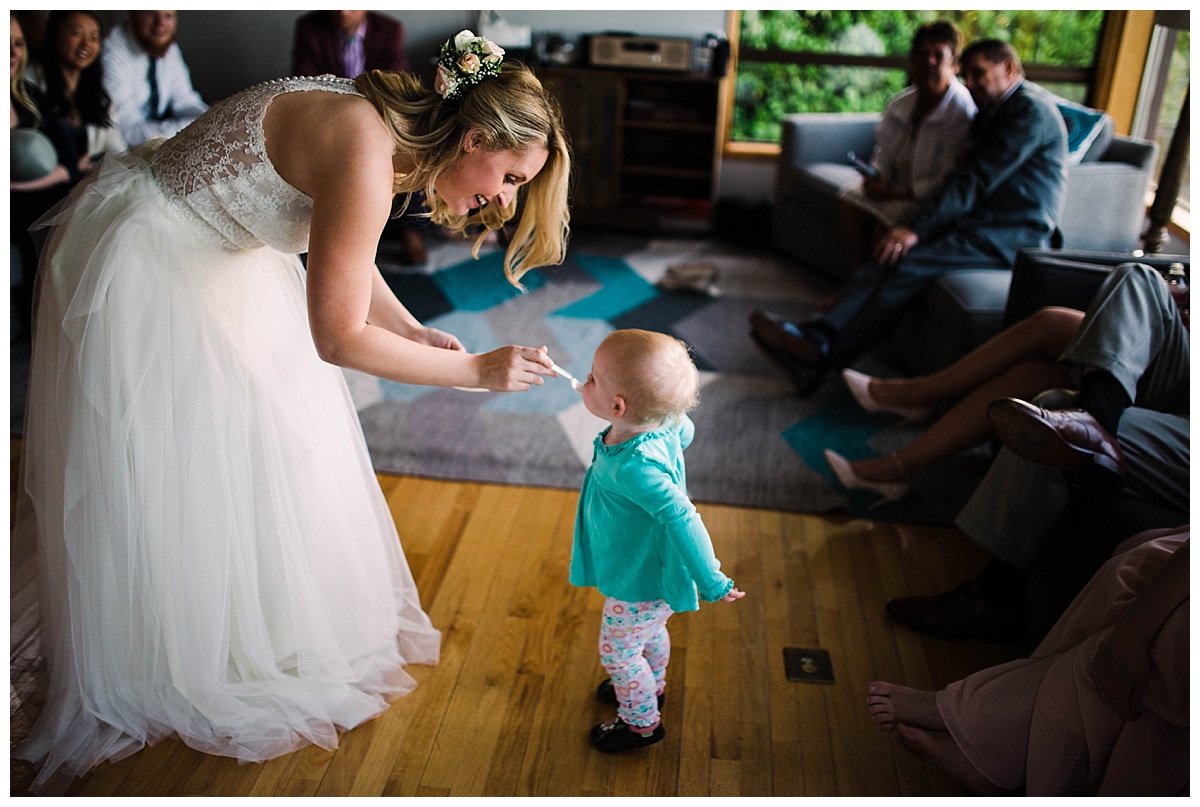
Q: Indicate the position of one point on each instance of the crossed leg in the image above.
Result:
(1019, 362)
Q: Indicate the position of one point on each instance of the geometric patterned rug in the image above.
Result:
(757, 443)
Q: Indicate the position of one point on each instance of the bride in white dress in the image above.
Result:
(218, 561)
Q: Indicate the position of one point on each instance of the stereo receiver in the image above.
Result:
(640, 52)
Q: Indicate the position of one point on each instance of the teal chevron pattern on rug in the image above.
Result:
(621, 289)
(757, 443)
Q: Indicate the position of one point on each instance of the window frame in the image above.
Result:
(768, 151)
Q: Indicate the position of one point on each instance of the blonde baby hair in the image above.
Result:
(655, 374)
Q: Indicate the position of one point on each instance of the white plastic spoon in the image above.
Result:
(575, 384)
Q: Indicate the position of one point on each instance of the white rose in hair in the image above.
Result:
(469, 63)
(463, 39)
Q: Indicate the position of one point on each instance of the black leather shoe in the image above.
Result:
(803, 342)
(607, 693)
(617, 735)
(962, 614)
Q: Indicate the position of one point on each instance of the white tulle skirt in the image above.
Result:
(217, 559)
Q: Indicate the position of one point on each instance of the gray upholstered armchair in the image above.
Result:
(1104, 211)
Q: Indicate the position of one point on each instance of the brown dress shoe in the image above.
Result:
(805, 377)
(798, 341)
(1068, 439)
(961, 613)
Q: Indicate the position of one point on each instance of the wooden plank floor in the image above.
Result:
(507, 710)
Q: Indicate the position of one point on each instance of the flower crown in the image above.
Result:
(466, 60)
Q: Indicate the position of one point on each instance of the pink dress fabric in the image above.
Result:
(1038, 723)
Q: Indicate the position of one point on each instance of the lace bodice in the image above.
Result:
(216, 171)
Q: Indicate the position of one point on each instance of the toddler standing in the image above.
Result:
(638, 537)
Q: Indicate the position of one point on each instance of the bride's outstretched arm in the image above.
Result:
(354, 324)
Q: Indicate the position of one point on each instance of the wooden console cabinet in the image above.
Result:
(646, 147)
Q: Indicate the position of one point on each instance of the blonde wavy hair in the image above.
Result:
(513, 112)
(655, 374)
(16, 82)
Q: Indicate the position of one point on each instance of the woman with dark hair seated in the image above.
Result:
(67, 101)
(74, 104)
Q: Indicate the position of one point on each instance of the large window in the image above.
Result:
(1165, 84)
(852, 61)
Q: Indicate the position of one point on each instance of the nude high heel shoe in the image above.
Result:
(888, 491)
(859, 386)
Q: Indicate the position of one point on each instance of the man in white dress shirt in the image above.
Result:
(147, 79)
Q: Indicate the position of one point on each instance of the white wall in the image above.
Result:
(229, 50)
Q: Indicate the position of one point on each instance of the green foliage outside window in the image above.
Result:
(767, 91)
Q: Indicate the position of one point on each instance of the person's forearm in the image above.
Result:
(384, 353)
(387, 311)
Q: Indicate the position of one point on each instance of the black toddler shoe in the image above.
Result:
(617, 735)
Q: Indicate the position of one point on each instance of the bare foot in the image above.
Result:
(938, 748)
(891, 705)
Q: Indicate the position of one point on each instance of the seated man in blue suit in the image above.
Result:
(1006, 195)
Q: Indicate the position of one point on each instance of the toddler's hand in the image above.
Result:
(734, 594)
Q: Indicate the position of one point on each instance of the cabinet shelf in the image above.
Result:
(639, 138)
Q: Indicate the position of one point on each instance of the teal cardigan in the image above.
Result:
(637, 534)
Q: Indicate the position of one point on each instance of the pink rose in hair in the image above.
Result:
(469, 63)
(443, 82)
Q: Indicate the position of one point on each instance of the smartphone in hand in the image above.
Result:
(864, 167)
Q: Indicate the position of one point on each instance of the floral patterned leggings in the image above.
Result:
(634, 649)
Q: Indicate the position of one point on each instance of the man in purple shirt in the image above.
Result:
(346, 43)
